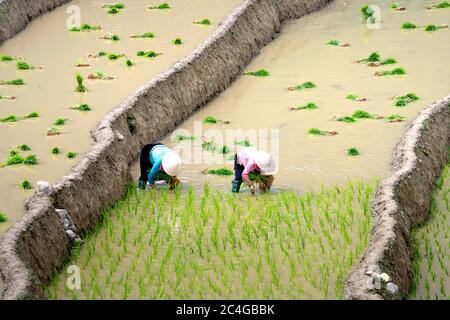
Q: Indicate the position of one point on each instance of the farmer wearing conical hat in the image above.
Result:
(158, 162)
(253, 165)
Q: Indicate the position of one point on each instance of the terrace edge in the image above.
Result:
(15, 15)
(401, 202)
(38, 245)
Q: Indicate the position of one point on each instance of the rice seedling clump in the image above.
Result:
(215, 245)
(15, 82)
(441, 5)
(303, 86)
(220, 172)
(402, 101)
(367, 14)
(393, 72)
(395, 118)
(353, 152)
(82, 107)
(205, 22)
(308, 106)
(71, 154)
(213, 120)
(409, 25)
(161, 6)
(3, 218)
(26, 185)
(431, 262)
(259, 73)
(80, 86)
(147, 35)
(55, 150)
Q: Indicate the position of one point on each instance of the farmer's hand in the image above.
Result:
(252, 188)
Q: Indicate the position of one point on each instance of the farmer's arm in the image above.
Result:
(251, 165)
(154, 171)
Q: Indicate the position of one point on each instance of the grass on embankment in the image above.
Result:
(181, 245)
(431, 247)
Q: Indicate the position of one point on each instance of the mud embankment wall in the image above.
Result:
(401, 202)
(33, 249)
(15, 15)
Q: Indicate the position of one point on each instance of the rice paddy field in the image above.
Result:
(334, 97)
(432, 247)
(40, 103)
(215, 245)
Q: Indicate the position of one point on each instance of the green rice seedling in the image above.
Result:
(113, 10)
(82, 107)
(224, 149)
(361, 114)
(395, 5)
(60, 122)
(32, 115)
(148, 54)
(220, 172)
(10, 118)
(24, 147)
(3, 217)
(213, 120)
(102, 54)
(308, 106)
(317, 132)
(441, 5)
(180, 137)
(334, 43)
(15, 82)
(409, 25)
(353, 152)
(146, 35)
(22, 65)
(303, 86)
(6, 58)
(209, 146)
(85, 28)
(31, 160)
(402, 101)
(115, 56)
(388, 61)
(7, 97)
(55, 150)
(129, 63)
(161, 6)
(111, 36)
(354, 97)
(259, 73)
(395, 118)
(80, 87)
(373, 57)
(26, 185)
(393, 72)
(367, 14)
(431, 28)
(14, 158)
(346, 119)
(205, 22)
(244, 143)
(177, 41)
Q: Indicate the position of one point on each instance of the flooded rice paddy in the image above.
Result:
(49, 91)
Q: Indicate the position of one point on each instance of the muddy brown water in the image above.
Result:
(46, 42)
(300, 54)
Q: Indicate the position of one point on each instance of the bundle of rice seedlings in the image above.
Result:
(303, 86)
(85, 28)
(82, 107)
(111, 36)
(402, 101)
(361, 114)
(148, 54)
(15, 82)
(3, 218)
(433, 27)
(30, 160)
(354, 97)
(308, 106)
(205, 22)
(180, 137)
(209, 146)
(6, 58)
(373, 57)
(24, 147)
(55, 150)
(244, 143)
(114, 8)
(14, 158)
(147, 35)
(177, 41)
(80, 87)
(115, 56)
(337, 43)
(213, 120)
(346, 119)
(393, 72)
(395, 118)
(10, 118)
(129, 63)
(259, 73)
(317, 132)
(32, 115)
(225, 149)
(367, 14)
(22, 65)
(441, 5)
(7, 97)
(388, 61)
(60, 122)
(397, 7)
(71, 154)
(409, 25)
(219, 172)
(161, 6)
(353, 152)
(26, 185)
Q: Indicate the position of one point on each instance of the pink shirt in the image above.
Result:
(246, 158)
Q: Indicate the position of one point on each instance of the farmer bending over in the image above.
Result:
(253, 165)
(158, 162)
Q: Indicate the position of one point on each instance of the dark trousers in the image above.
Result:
(146, 166)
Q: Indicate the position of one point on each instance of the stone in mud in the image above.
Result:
(44, 187)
